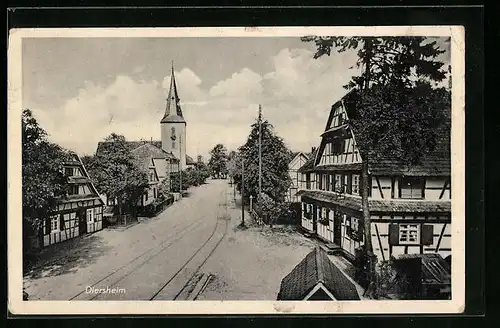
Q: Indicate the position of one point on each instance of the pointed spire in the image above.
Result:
(173, 107)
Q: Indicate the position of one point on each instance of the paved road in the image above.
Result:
(152, 260)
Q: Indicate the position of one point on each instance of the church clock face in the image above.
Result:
(172, 135)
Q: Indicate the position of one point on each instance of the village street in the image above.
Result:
(193, 249)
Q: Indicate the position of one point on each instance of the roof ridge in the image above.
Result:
(319, 265)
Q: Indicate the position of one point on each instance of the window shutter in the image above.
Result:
(61, 222)
(427, 234)
(393, 234)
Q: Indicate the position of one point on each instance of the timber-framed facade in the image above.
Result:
(410, 206)
(79, 213)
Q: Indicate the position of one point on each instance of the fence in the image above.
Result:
(154, 209)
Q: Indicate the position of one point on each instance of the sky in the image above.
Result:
(82, 89)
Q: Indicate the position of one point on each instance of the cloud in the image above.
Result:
(296, 95)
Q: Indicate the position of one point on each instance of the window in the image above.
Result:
(151, 176)
(355, 184)
(411, 187)
(68, 171)
(173, 144)
(341, 119)
(308, 181)
(54, 223)
(146, 196)
(73, 190)
(90, 215)
(409, 234)
(337, 183)
(173, 131)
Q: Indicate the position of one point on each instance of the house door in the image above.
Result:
(315, 218)
(82, 221)
(337, 234)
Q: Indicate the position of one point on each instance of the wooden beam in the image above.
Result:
(379, 242)
(440, 237)
(444, 189)
(379, 187)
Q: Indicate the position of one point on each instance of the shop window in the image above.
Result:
(411, 188)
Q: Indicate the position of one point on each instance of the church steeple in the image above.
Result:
(173, 111)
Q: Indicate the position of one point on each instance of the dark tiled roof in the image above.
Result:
(435, 270)
(133, 145)
(379, 205)
(309, 164)
(316, 268)
(434, 163)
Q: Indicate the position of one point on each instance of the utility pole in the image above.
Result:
(180, 167)
(260, 149)
(242, 192)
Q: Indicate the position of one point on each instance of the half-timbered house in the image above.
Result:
(410, 206)
(79, 213)
(298, 160)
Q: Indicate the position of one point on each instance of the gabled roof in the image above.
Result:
(309, 164)
(74, 160)
(189, 160)
(434, 163)
(316, 268)
(133, 145)
(296, 154)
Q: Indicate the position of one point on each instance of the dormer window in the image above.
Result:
(68, 171)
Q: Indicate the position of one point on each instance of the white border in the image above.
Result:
(17, 306)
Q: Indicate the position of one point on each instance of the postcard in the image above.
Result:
(262, 170)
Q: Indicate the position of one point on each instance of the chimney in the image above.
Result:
(151, 140)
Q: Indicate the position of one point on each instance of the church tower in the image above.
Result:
(173, 125)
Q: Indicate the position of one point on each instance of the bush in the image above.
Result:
(273, 212)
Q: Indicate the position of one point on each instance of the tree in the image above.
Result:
(43, 182)
(275, 159)
(117, 175)
(397, 110)
(218, 161)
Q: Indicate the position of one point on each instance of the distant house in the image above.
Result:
(317, 278)
(190, 162)
(157, 163)
(77, 214)
(410, 206)
(298, 160)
